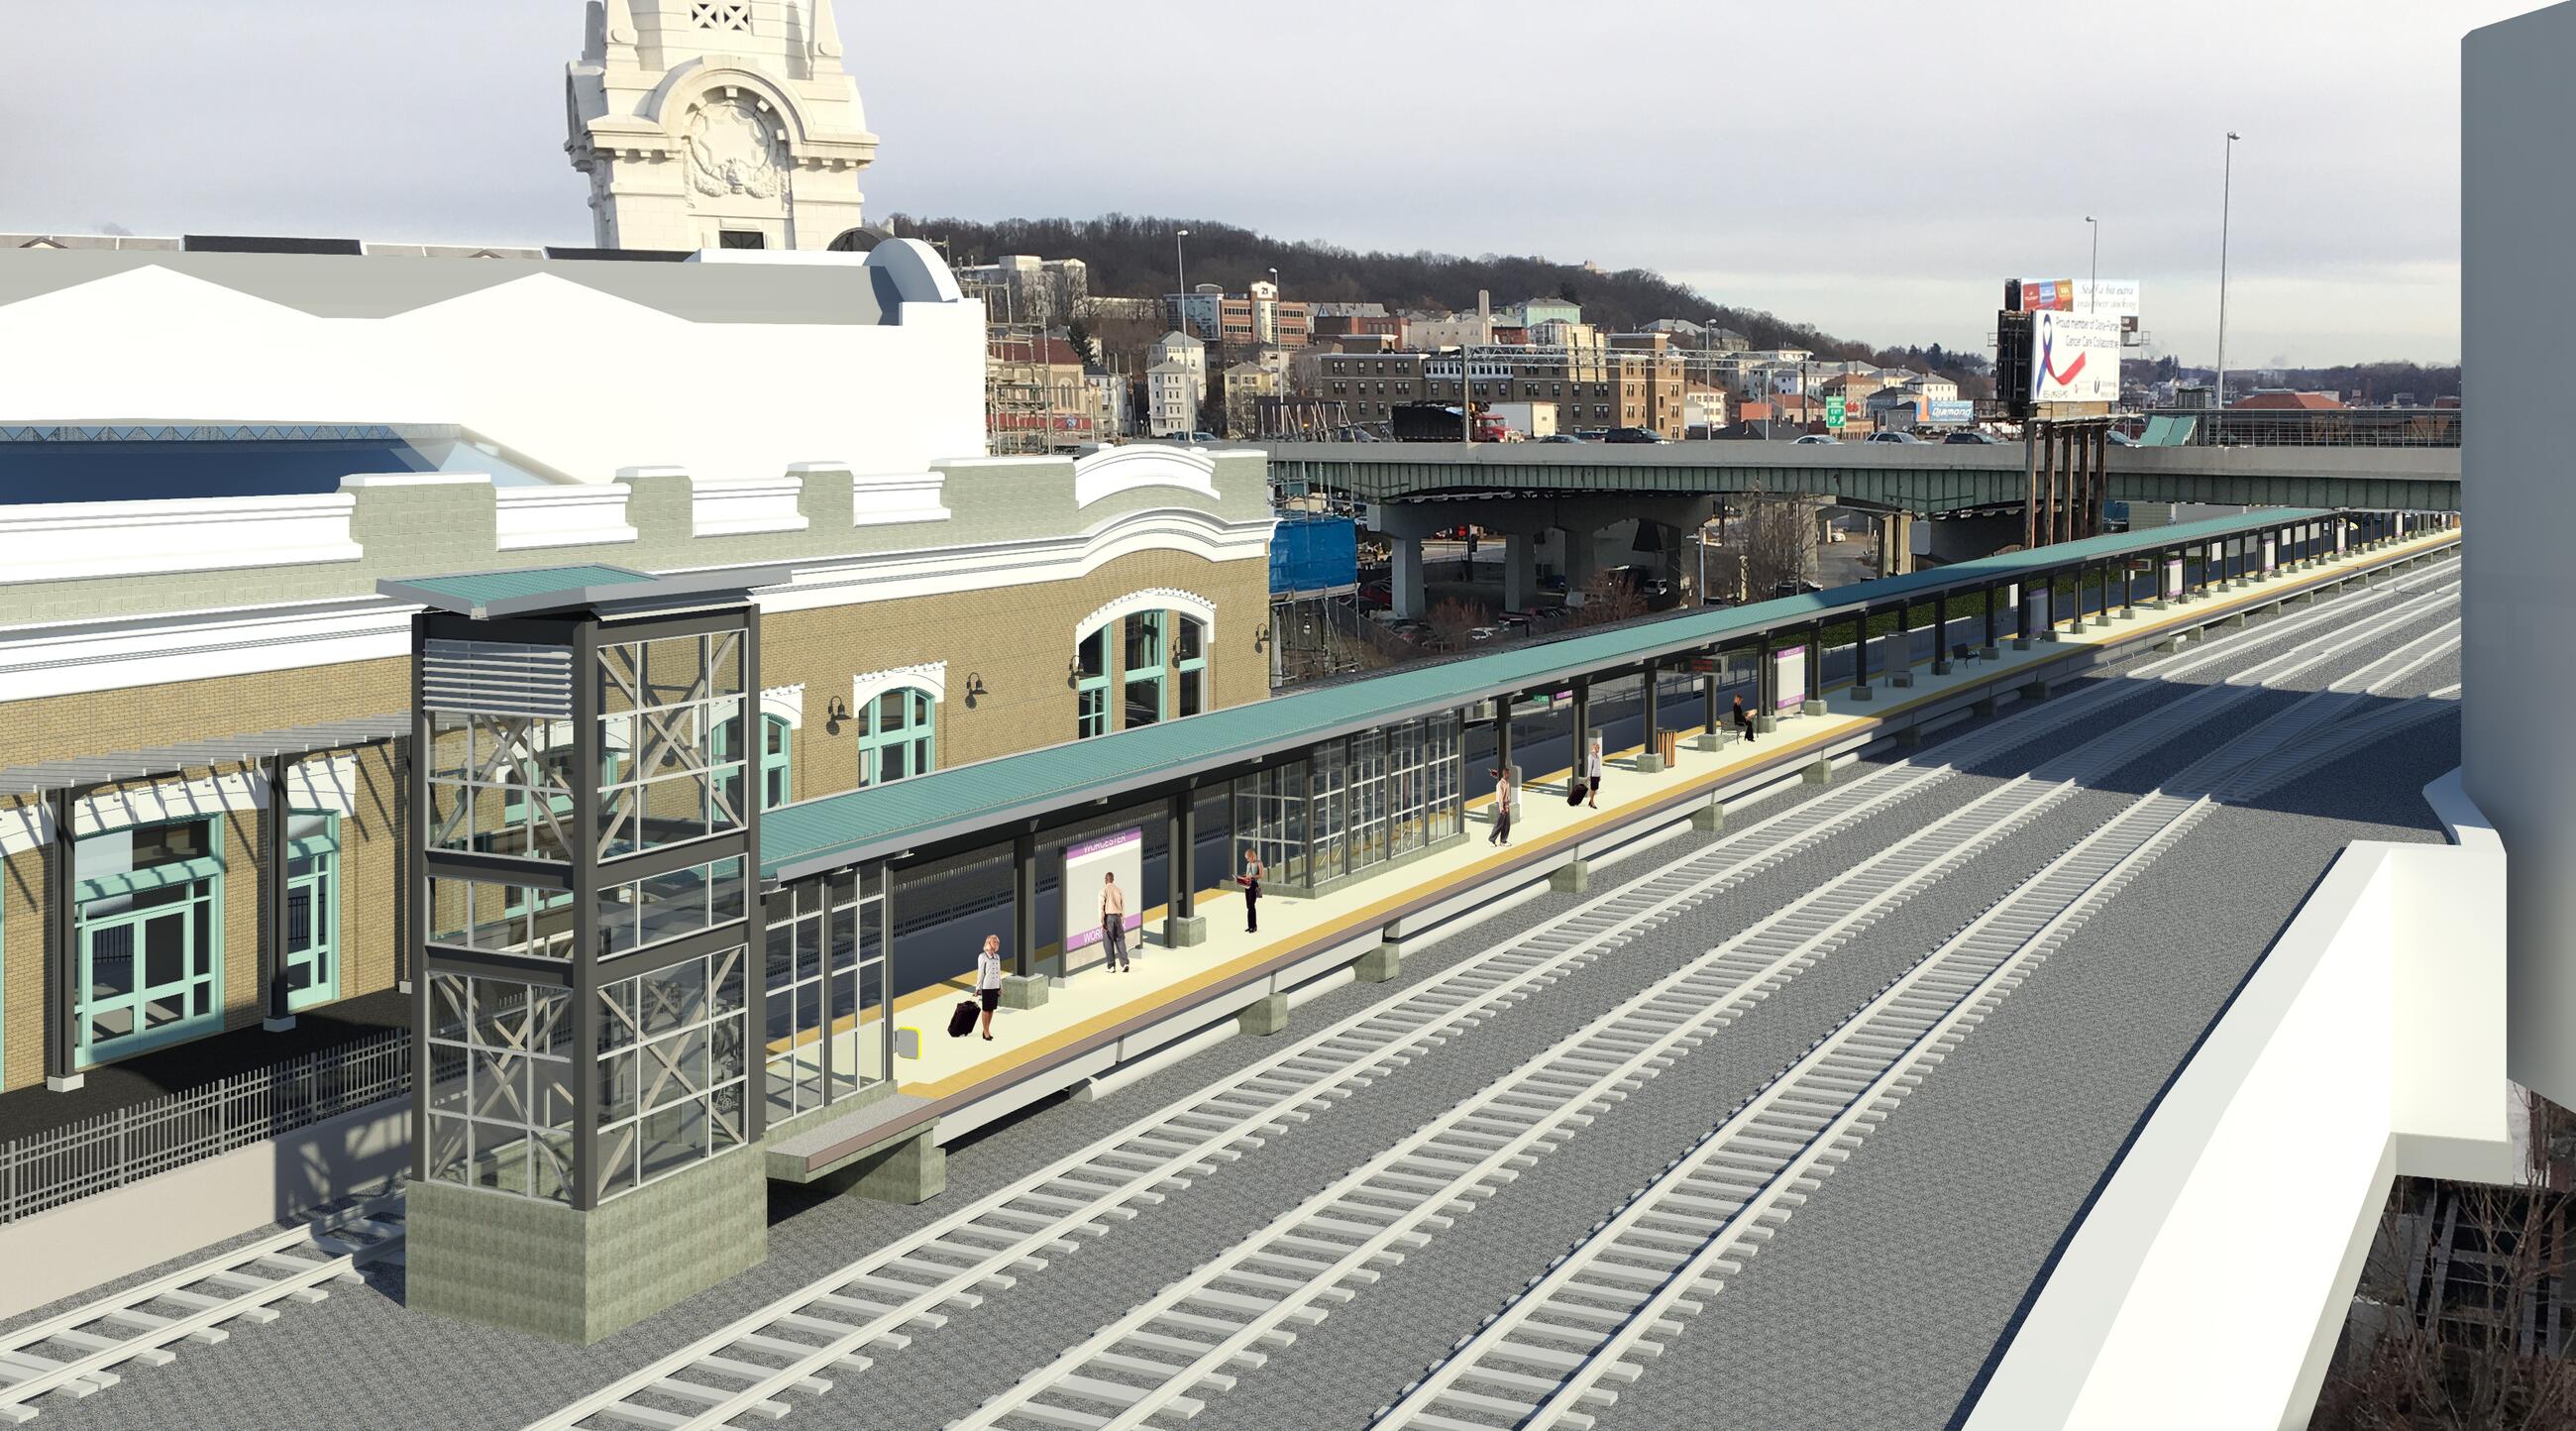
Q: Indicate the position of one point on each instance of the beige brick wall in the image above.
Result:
(1019, 639)
(22, 969)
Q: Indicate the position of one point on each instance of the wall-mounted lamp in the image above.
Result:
(835, 711)
(974, 688)
(1261, 638)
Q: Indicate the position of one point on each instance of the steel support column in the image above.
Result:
(1024, 902)
(62, 952)
(274, 1014)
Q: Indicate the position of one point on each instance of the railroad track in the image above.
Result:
(879, 1302)
(1190, 1341)
(78, 1353)
(1554, 1356)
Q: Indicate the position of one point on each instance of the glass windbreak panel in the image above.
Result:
(501, 1090)
(501, 785)
(531, 921)
(674, 776)
(634, 914)
(672, 1067)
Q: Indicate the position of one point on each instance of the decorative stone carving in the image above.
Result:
(733, 148)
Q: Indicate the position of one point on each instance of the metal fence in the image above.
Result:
(47, 1170)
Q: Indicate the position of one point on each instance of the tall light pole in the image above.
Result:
(1180, 308)
(2226, 192)
(2093, 285)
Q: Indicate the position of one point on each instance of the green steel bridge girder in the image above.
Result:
(1926, 481)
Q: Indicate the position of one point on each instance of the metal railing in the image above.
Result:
(47, 1170)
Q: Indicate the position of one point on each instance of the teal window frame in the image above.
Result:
(1142, 664)
(1189, 672)
(1092, 684)
(917, 736)
(201, 907)
(775, 764)
(319, 884)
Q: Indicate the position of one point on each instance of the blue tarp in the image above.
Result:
(1314, 554)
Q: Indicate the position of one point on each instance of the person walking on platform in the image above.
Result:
(1743, 721)
(988, 979)
(1502, 809)
(1592, 773)
(1113, 920)
(1250, 879)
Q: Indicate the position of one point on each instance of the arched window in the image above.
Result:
(1139, 669)
(774, 761)
(898, 736)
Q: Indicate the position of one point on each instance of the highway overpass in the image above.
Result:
(1928, 480)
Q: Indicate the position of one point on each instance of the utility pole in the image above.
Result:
(2093, 285)
(1180, 265)
(2226, 192)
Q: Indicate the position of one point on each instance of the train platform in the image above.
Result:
(1097, 1027)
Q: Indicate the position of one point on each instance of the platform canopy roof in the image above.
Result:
(833, 831)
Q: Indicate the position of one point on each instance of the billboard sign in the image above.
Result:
(2102, 298)
(1789, 678)
(1952, 412)
(2074, 358)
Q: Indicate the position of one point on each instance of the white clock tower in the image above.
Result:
(716, 124)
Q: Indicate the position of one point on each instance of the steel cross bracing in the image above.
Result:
(1598, 1314)
(76, 1354)
(1189, 1341)
(875, 1302)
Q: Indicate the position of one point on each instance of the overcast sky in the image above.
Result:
(1874, 168)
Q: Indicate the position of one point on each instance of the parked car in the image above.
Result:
(1891, 435)
(1633, 434)
(1377, 593)
(1483, 633)
(1558, 437)
(1592, 434)
(1814, 437)
(1551, 582)
(1970, 437)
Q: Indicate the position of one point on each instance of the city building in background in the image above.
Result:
(1175, 385)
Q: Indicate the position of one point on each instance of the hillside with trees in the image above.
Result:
(1131, 255)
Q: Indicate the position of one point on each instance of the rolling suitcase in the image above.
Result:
(961, 1020)
(1580, 788)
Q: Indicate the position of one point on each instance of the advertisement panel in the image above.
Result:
(1953, 412)
(2173, 578)
(2105, 298)
(1789, 678)
(1121, 854)
(2074, 358)
(2271, 561)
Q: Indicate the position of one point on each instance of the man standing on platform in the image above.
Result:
(1113, 920)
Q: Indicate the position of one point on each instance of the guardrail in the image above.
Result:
(47, 1170)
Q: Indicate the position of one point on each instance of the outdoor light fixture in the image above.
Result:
(974, 688)
(835, 711)
(1261, 638)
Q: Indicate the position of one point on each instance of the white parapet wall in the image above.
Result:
(72, 541)
(2206, 1287)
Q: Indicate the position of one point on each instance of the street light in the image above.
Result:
(2226, 192)
(1180, 307)
(2093, 288)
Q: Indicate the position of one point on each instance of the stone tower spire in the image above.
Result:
(716, 124)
